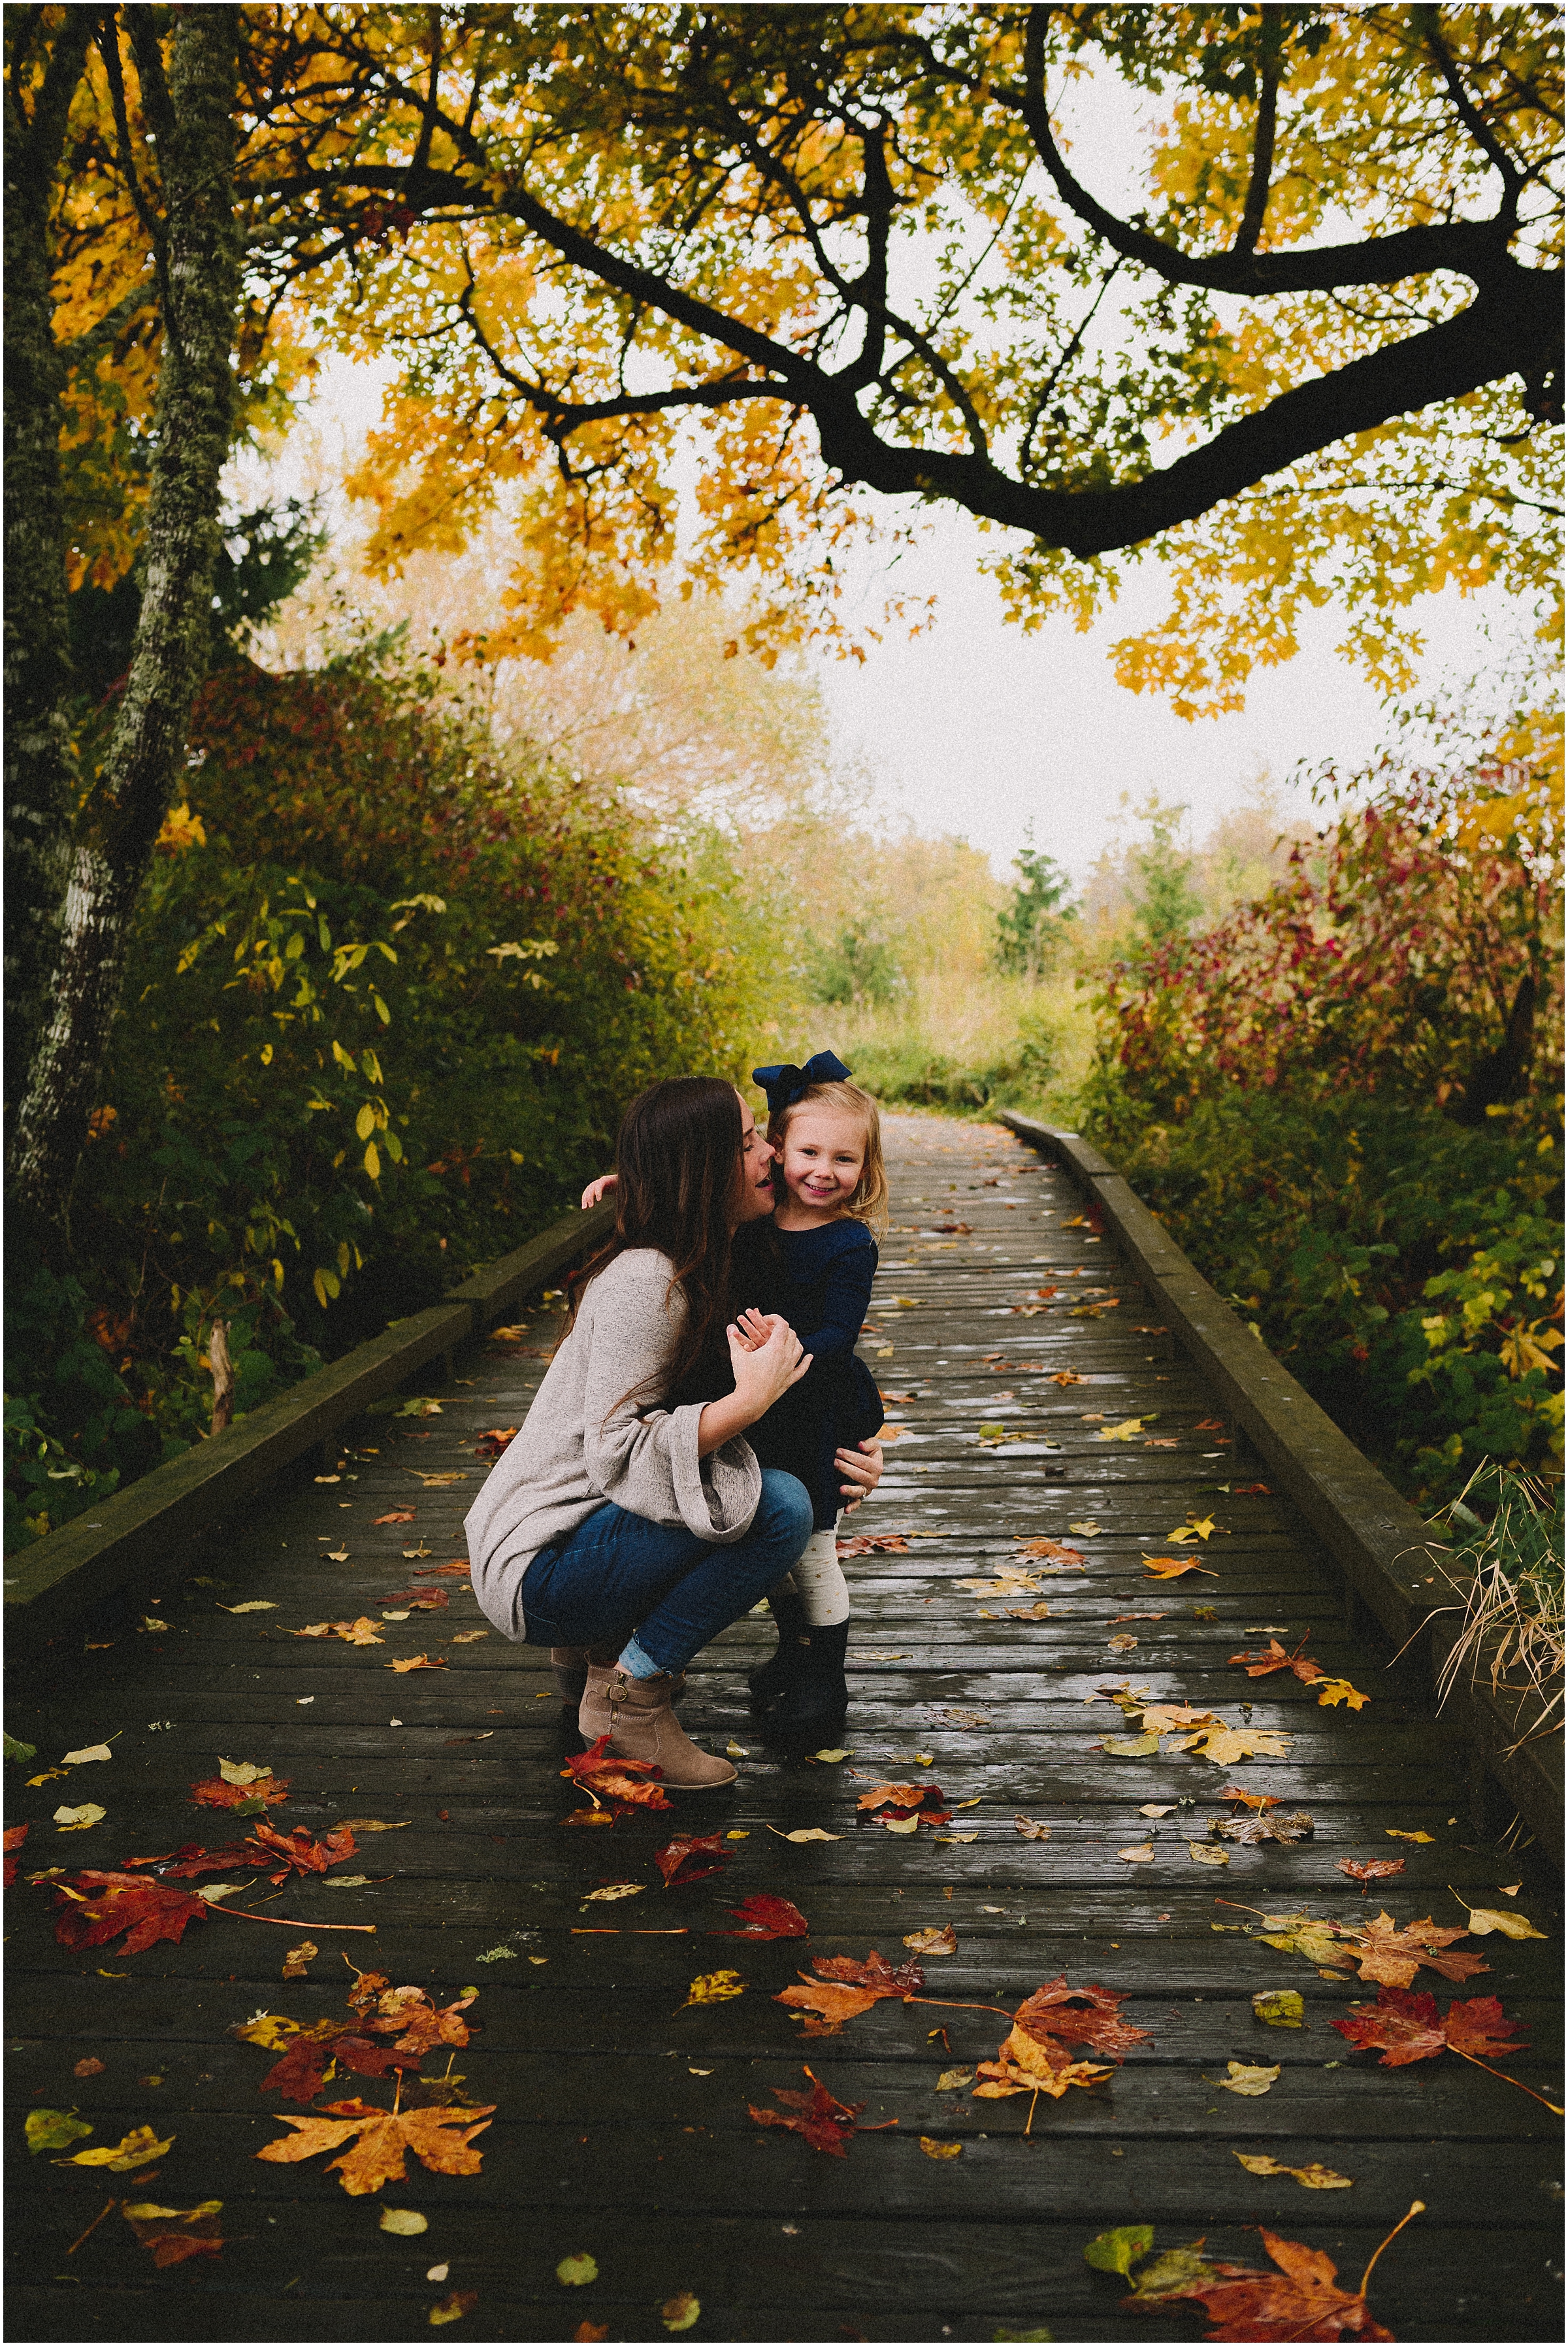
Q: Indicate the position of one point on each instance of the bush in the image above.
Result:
(386, 999)
(1327, 1095)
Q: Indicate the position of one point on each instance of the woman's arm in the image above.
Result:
(762, 1372)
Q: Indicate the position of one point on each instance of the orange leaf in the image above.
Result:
(438, 2138)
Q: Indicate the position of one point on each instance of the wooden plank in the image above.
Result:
(497, 1288)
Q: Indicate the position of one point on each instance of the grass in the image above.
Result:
(1511, 1615)
(969, 1042)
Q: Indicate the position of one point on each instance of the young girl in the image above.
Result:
(830, 1185)
(813, 1266)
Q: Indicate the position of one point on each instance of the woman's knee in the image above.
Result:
(784, 1512)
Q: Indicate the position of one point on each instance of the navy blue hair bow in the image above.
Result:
(785, 1085)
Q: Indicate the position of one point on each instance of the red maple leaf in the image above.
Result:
(844, 1987)
(903, 1797)
(826, 2123)
(1079, 2016)
(1302, 2299)
(212, 1792)
(298, 2075)
(14, 1836)
(1274, 1656)
(1368, 1869)
(600, 1771)
(192, 1859)
(298, 1852)
(875, 1543)
(96, 1907)
(691, 1857)
(1403, 2024)
(427, 1600)
(767, 1917)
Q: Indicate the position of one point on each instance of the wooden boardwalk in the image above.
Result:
(621, 2126)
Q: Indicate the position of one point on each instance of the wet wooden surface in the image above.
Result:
(621, 2126)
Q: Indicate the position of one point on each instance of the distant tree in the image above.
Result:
(1030, 929)
(857, 966)
(1165, 903)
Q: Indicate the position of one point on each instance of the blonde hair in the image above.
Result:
(870, 1203)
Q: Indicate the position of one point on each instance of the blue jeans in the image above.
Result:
(618, 1572)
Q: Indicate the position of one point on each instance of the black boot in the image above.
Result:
(810, 1711)
(768, 1682)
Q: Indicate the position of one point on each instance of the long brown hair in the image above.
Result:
(678, 1175)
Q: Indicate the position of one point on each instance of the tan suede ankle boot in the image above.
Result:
(594, 1711)
(643, 1726)
(568, 1669)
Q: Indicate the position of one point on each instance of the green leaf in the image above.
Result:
(14, 1751)
(577, 2272)
(53, 2129)
(1280, 2008)
(1119, 2250)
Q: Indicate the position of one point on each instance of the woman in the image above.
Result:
(615, 1521)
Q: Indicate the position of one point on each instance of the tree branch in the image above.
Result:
(1496, 154)
(1256, 204)
(1471, 249)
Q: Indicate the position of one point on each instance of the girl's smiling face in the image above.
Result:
(824, 1154)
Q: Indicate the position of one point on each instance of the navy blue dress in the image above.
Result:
(821, 1282)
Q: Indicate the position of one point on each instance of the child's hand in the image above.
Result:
(762, 1372)
(754, 1327)
(597, 1189)
(864, 1468)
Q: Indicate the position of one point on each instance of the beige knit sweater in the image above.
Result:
(584, 1441)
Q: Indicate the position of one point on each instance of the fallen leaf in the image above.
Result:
(1486, 1919)
(213, 1893)
(1280, 2007)
(91, 2067)
(396, 1516)
(298, 2075)
(1394, 1833)
(1131, 1747)
(375, 1824)
(406, 2223)
(1406, 2028)
(1158, 1809)
(844, 1987)
(438, 2137)
(935, 2149)
(340, 1555)
(82, 1819)
(626, 1783)
(417, 1600)
(825, 2122)
(588, 2332)
(469, 1637)
(1368, 1869)
(953, 2081)
(1122, 1644)
(414, 1662)
(363, 1632)
(1315, 2177)
(95, 1907)
(15, 1836)
(875, 1542)
(831, 1757)
(1274, 1656)
(137, 2149)
(612, 1890)
(764, 1916)
(53, 2129)
(714, 1987)
(89, 1752)
(805, 1832)
(1029, 1828)
(452, 2308)
(1246, 2079)
(297, 1961)
(1203, 1852)
(691, 1857)
(1330, 1691)
(903, 1797)
(1199, 1527)
(1143, 1855)
(1225, 1745)
(1252, 1830)
(575, 2272)
(1119, 2250)
(936, 1940)
(1028, 1612)
(1248, 1800)
(680, 2311)
(1392, 1957)
(1299, 1934)
(1054, 1551)
(1301, 2300)
(1171, 1568)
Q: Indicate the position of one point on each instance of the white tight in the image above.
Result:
(817, 1579)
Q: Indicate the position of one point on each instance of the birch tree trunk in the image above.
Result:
(38, 775)
(190, 119)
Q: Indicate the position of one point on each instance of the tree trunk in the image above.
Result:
(191, 116)
(38, 776)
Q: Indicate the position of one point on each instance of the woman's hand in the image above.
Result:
(762, 1371)
(597, 1189)
(864, 1469)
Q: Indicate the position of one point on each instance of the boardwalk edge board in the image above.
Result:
(1376, 1537)
(51, 1583)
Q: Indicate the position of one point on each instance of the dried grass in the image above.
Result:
(1510, 1544)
